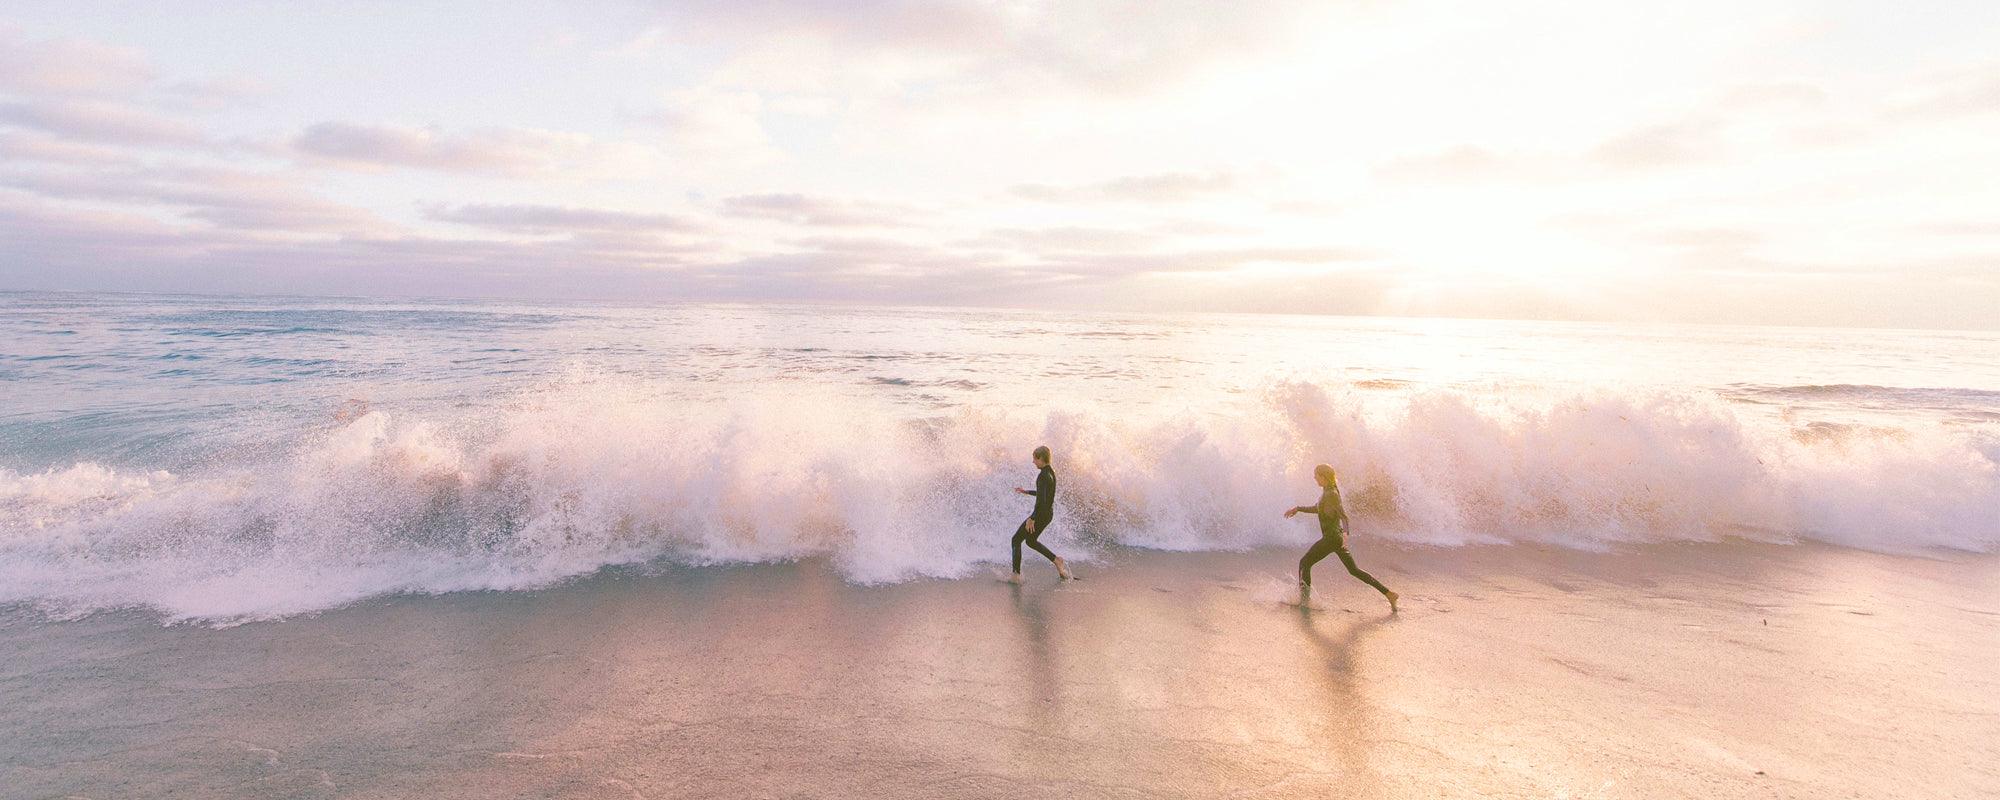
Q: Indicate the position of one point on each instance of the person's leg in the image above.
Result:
(1347, 559)
(1035, 541)
(1318, 551)
(1020, 534)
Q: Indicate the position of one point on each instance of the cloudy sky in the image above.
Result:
(1770, 162)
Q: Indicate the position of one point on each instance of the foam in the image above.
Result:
(577, 476)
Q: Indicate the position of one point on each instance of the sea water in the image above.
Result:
(234, 458)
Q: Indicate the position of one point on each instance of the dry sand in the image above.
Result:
(1697, 671)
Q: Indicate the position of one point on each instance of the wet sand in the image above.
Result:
(1696, 671)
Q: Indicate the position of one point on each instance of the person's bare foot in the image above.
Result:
(1392, 600)
(1014, 578)
(1062, 569)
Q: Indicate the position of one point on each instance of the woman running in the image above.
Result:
(1332, 537)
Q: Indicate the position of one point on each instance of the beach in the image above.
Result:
(1698, 671)
(334, 548)
(497, 401)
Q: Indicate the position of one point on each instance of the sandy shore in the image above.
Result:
(1704, 671)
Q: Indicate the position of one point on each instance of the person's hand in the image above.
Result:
(1291, 512)
(1019, 490)
(1029, 524)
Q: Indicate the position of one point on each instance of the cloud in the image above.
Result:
(48, 248)
(213, 93)
(1735, 120)
(875, 248)
(222, 197)
(1468, 163)
(1007, 146)
(969, 53)
(1199, 260)
(1307, 208)
(1165, 187)
(717, 123)
(854, 273)
(45, 247)
(1663, 145)
(69, 66)
(1958, 93)
(24, 146)
(542, 219)
(1069, 238)
(501, 151)
(941, 25)
(1773, 96)
(1706, 238)
(291, 217)
(803, 209)
(98, 121)
(1357, 290)
(42, 247)
(1961, 228)
(1119, 48)
(1202, 228)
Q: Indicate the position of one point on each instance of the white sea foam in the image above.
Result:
(575, 477)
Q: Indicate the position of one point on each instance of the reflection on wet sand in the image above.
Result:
(1042, 678)
(1354, 725)
(1162, 677)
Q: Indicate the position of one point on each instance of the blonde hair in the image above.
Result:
(1326, 471)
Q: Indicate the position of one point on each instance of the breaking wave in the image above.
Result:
(571, 478)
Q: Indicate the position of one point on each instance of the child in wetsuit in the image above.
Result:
(1038, 521)
(1332, 533)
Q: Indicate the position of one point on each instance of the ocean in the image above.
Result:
(228, 459)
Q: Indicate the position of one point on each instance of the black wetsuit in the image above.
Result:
(1045, 511)
(1332, 539)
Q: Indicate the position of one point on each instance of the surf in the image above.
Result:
(572, 477)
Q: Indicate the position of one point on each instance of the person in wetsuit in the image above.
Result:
(1332, 536)
(1038, 521)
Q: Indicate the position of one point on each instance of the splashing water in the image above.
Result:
(234, 494)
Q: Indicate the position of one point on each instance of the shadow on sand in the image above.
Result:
(1340, 658)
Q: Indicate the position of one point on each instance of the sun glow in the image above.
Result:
(1552, 158)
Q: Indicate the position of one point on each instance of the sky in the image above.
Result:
(1776, 162)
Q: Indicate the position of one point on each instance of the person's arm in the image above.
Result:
(1296, 510)
(1045, 494)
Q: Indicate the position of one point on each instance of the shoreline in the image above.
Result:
(1688, 670)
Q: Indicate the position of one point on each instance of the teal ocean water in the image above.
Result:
(234, 458)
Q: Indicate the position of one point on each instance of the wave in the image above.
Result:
(1867, 394)
(959, 383)
(577, 476)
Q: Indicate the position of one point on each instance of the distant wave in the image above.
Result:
(224, 333)
(1916, 397)
(573, 477)
(881, 380)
